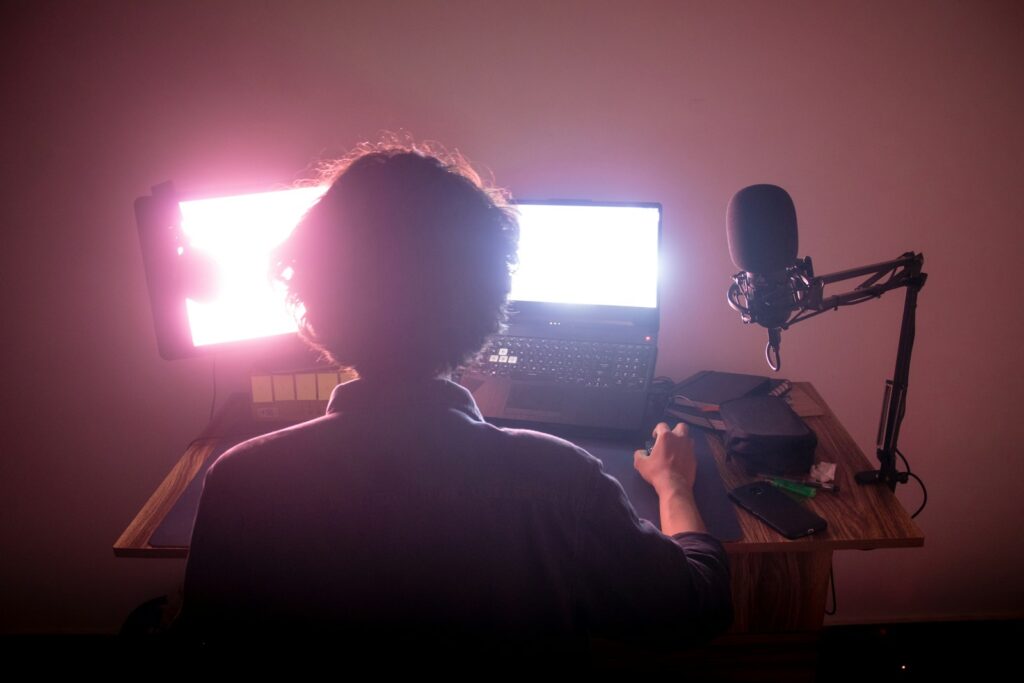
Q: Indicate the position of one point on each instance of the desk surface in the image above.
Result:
(859, 517)
(862, 517)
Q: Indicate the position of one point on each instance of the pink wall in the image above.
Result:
(895, 126)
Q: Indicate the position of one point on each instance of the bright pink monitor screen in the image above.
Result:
(234, 236)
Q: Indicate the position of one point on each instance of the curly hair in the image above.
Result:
(403, 266)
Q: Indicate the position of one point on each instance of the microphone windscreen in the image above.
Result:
(761, 229)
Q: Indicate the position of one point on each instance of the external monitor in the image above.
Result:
(207, 261)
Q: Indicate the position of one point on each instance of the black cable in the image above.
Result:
(659, 393)
(832, 583)
(924, 491)
(662, 383)
(904, 459)
(920, 481)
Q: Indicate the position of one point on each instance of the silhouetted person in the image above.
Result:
(401, 516)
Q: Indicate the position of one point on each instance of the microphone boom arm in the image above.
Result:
(903, 272)
(807, 296)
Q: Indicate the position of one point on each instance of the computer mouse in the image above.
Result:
(649, 444)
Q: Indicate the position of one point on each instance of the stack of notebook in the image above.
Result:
(697, 399)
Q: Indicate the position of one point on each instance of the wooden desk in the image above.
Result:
(233, 422)
(778, 584)
(781, 585)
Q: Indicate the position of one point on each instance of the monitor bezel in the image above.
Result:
(158, 219)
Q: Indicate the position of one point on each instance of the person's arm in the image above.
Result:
(671, 469)
(638, 583)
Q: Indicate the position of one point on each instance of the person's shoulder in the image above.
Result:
(266, 450)
(534, 445)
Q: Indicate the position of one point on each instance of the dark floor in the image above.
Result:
(961, 650)
(924, 651)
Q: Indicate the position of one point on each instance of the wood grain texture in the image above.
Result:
(134, 542)
(859, 517)
(232, 422)
(803, 402)
(779, 592)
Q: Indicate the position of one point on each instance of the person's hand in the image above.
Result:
(672, 465)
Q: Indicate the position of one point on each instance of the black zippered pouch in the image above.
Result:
(764, 434)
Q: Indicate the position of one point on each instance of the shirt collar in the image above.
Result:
(362, 395)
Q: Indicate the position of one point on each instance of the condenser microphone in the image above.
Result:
(761, 229)
(762, 233)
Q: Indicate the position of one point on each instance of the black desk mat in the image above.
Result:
(716, 509)
(616, 455)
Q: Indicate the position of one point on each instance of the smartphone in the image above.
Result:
(777, 510)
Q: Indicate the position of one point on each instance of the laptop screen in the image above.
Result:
(588, 253)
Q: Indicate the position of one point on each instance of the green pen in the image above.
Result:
(793, 487)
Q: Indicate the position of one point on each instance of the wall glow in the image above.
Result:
(235, 235)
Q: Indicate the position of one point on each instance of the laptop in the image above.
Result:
(582, 337)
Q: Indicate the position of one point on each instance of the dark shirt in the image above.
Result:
(402, 511)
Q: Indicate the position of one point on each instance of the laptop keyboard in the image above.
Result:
(589, 364)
